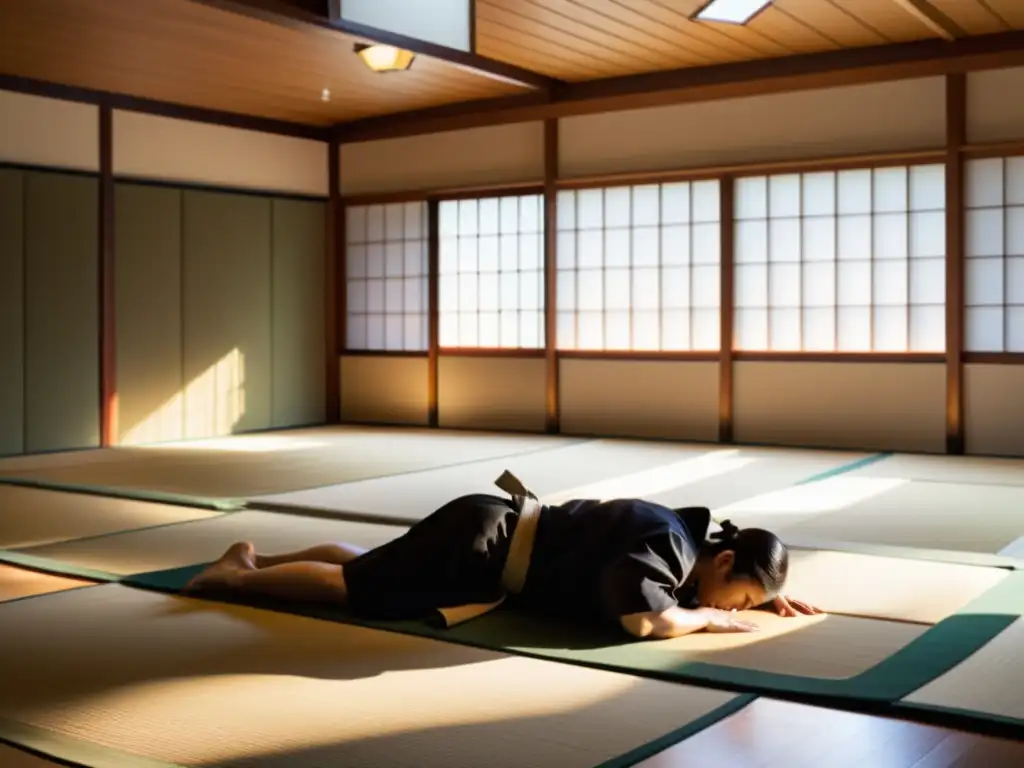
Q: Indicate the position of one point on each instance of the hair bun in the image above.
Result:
(729, 531)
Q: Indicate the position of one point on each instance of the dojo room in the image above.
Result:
(295, 272)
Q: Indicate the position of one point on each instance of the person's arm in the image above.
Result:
(677, 621)
(661, 625)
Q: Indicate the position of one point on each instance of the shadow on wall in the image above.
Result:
(211, 404)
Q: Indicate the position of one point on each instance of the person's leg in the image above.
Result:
(292, 581)
(336, 554)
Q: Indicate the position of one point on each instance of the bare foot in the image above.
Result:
(239, 557)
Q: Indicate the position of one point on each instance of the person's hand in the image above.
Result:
(726, 621)
(787, 606)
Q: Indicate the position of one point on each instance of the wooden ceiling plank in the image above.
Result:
(276, 12)
(547, 36)
(837, 24)
(1010, 11)
(500, 42)
(796, 34)
(582, 24)
(649, 31)
(925, 58)
(738, 40)
(702, 38)
(933, 18)
(898, 25)
(973, 16)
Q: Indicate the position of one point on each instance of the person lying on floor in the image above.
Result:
(652, 571)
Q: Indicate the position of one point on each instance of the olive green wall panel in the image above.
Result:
(226, 306)
(148, 313)
(12, 312)
(297, 280)
(61, 312)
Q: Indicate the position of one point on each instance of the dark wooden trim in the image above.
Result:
(956, 135)
(515, 352)
(472, 26)
(993, 358)
(31, 168)
(627, 356)
(552, 410)
(107, 284)
(998, 149)
(925, 58)
(727, 273)
(382, 353)
(433, 308)
(335, 313)
(200, 187)
(163, 109)
(282, 14)
(463, 193)
(835, 163)
(839, 357)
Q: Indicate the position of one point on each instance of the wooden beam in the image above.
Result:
(933, 18)
(433, 307)
(299, 17)
(726, 310)
(335, 293)
(552, 410)
(107, 284)
(956, 137)
(926, 58)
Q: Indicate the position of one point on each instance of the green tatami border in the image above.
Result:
(692, 728)
(69, 750)
(132, 494)
(842, 469)
(55, 567)
(930, 655)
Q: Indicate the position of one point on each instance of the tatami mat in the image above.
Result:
(31, 517)
(16, 583)
(779, 734)
(272, 462)
(926, 514)
(202, 541)
(197, 683)
(669, 473)
(990, 682)
(886, 587)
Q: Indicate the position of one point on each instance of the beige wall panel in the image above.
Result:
(164, 148)
(150, 382)
(389, 390)
(62, 377)
(995, 106)
(639, 398)
(872, 406)
(35, 130)
(492, 393)
(994, 409)
(12, 312)
(878, 117)
(226, 313)
(297, 284)
(501, 154)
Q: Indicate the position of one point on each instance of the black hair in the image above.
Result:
(759, 555)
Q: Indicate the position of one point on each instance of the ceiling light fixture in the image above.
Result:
(731, 11)
(384, 58)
